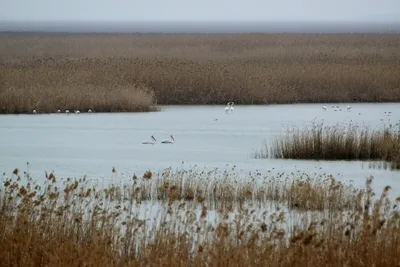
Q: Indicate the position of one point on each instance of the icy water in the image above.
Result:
(60, 27)
(92, 144)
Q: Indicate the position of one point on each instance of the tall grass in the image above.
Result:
(207, 69)
(49, 224)
(229, 189)
(349, 142)
(29, 96)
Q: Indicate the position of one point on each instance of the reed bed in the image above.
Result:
(48, 224)
(336, 142)
(29, 96)
(297, 190)
(205, 69)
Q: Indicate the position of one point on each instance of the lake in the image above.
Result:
(73, 145)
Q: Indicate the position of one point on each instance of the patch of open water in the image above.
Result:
(91, 144)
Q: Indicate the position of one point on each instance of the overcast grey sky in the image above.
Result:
(231, 10)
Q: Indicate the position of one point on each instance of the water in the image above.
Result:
(91, 144)
(145, 27)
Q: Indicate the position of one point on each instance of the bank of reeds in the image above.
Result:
(48, 224)
(207, 69)
(30, 95)
(348, 142)
(298, 190)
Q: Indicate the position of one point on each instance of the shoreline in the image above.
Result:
(158, 108)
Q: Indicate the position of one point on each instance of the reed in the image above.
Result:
(349, 142)
(73, 223)
(296, 190)
(58, 96)
(206, 69)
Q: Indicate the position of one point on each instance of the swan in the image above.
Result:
(90, 111)
(58, 111)
(34, 111)
(171, 141)
(324, 108)
(150, 142)
(232, 106)
(77, 112)
(227, 108)
(348, 108)
(67, 111)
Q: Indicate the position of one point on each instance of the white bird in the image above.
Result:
(348, 108)
(324, 108)
(232, 106)
(77, 112)
(150, 142)
(34, 111)
(58, 111)
(67, 111)
(90, 111)
(227, 108)
(170, 141)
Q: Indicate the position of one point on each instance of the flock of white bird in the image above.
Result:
(228, 109)
(153, 141)
(66, 111)
(336, 108)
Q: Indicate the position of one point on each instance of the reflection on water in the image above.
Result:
(91, 144)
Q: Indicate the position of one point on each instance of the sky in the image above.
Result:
(199, 10)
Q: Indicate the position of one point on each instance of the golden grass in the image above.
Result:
(76, 224)
(228, 190)
(28, 96)
(349, 142)
(206, 69)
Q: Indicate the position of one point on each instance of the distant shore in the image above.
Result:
(125, 72)
(369, 25)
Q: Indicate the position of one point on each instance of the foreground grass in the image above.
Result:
(199, 69)
(78, 225)
(349, 142)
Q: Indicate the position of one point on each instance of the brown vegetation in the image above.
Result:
(78, 225)
(349, 142)
(201, 69)
(27, 97)
(296, 190)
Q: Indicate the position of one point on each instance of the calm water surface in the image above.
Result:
(91, 144)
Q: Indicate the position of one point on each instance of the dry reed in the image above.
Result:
(349, 142)
(29, 96)
(206, 69)
(228, 189)
(79, 225)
